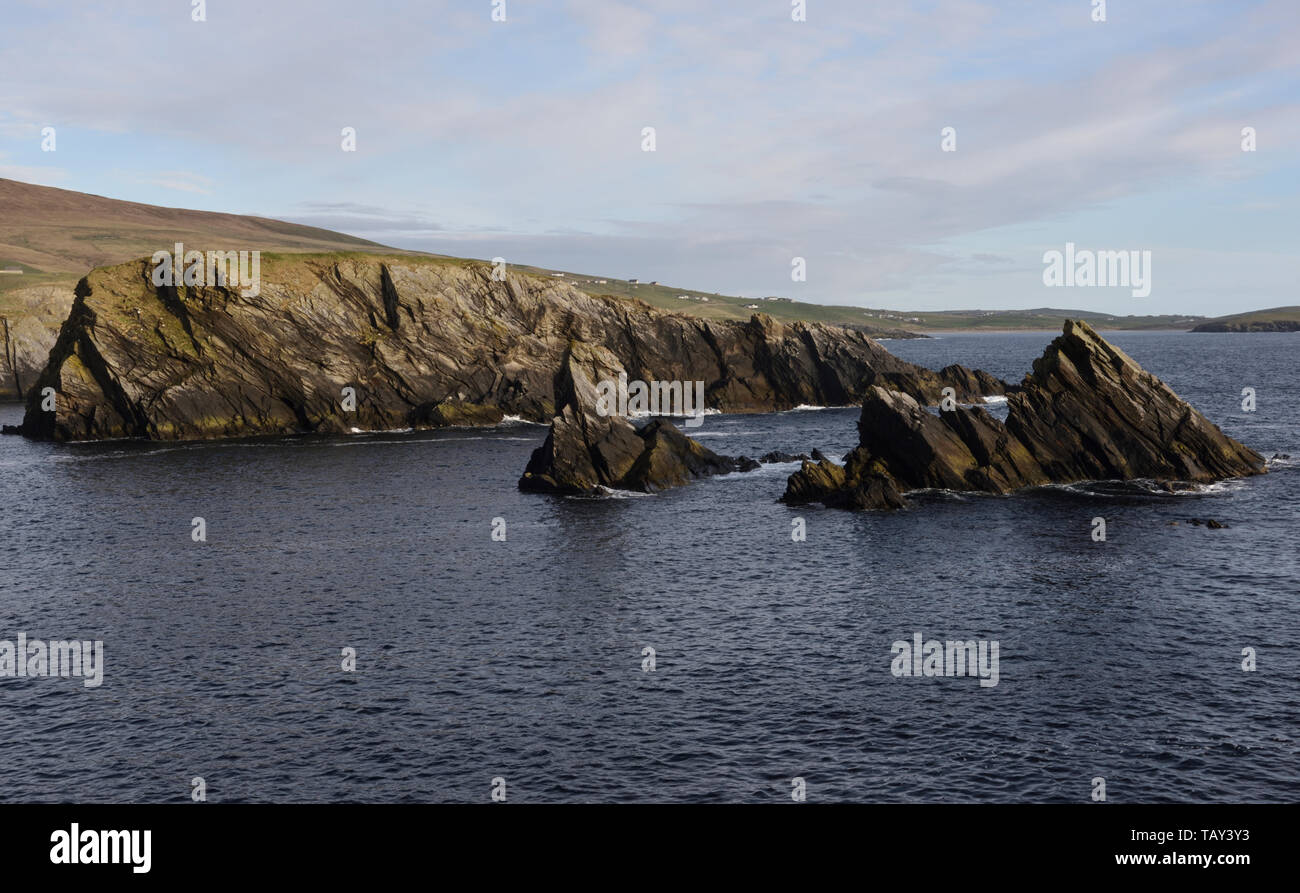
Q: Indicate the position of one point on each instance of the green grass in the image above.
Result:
(30, 277)
(720, 306)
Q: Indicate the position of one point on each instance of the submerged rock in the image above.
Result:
(586, 451)
(778, 456)
(1086, 412)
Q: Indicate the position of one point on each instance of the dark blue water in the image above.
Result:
(523, 659)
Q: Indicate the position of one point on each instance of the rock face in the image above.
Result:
(423, 342)
(586, 451)
(29, 324)
(1086, 412)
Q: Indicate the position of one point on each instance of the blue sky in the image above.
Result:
(775, 138)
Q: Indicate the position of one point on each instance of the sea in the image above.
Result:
(384, 617)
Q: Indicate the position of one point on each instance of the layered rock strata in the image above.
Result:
(420, 342)
(1086, 412)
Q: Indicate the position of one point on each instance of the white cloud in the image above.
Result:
(775, 138)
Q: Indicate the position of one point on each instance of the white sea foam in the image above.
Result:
(673, 417)
(1230, 486)
(769, 469)
(119, 454)
(946, 493)
(1113, 488)
(611, 493)
(380, 430)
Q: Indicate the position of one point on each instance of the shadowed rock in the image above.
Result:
(1086, 412)
(814, 481)
(671, 459)
(586, 451)
(780, 456)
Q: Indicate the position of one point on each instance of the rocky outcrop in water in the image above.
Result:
(586, 451)
(781, 456)
(421, 342)
(1086, 412)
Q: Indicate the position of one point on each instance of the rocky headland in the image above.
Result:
(1086, 412)
(421, 342)
(1250, 325)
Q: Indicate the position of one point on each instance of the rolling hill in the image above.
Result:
(50, 238)
(52, 233)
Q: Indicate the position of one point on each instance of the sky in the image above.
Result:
(774, 139)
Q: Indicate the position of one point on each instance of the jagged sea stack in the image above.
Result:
(586, 451)
(1086, 412)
